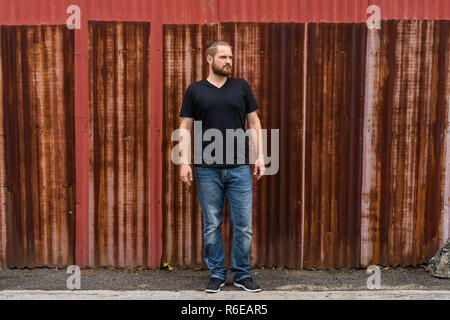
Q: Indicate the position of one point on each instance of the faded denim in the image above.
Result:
(212, 186)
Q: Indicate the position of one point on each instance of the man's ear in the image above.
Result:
(209, 59)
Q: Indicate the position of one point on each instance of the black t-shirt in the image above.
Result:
(220, 108)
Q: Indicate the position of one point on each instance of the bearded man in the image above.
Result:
(224, 103)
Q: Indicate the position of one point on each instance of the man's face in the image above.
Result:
(222, 64)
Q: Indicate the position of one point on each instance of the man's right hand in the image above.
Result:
(186, 174)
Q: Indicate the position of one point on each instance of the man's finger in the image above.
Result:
(260, 171)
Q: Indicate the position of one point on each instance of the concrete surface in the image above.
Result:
(226, 295)
(401, 283)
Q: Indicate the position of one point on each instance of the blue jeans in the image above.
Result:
(212, 185)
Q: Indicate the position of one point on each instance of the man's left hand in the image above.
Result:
(259, 169)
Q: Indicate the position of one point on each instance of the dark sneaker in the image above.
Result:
(248, 285)
(214, 285)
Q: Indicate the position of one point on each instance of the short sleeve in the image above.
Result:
(187, 107)
(250, 102)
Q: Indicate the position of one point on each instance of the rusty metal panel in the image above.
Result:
(183, 62)
(404, 220)
(334, 99)
(119, 76)
(37, 138)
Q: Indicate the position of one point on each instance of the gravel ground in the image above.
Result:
(179, 280)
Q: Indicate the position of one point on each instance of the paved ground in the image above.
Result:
(225, 295)
(182, 280)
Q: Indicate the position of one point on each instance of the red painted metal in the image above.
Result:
(83, 233)
(329, 10)
(209, 11)
(3, 181)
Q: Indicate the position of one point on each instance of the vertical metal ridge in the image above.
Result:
(3, 179)
(128, 136)
(446, 99)
(369, 167)
(303, 144)
(444, 130)
(120, 132)
(92, 139)
(426, 55)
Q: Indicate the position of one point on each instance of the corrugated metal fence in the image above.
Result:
(363, 116)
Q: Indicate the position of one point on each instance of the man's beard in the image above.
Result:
(221, 71)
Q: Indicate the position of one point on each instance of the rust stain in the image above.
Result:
(119, 78)
(406, 145)
(334, 100)
(3, 181)
(38, 139)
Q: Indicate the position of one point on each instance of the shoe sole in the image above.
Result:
(215, 291)
(246, 289)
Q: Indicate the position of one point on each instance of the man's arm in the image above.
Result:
(185, 168)
(255, 124)
(186, 123)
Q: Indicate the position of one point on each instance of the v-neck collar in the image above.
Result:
(213, 85)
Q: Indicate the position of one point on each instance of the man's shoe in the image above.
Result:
(214, 285)
(248, 285)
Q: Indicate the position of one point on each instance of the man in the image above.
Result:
(222, 103)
